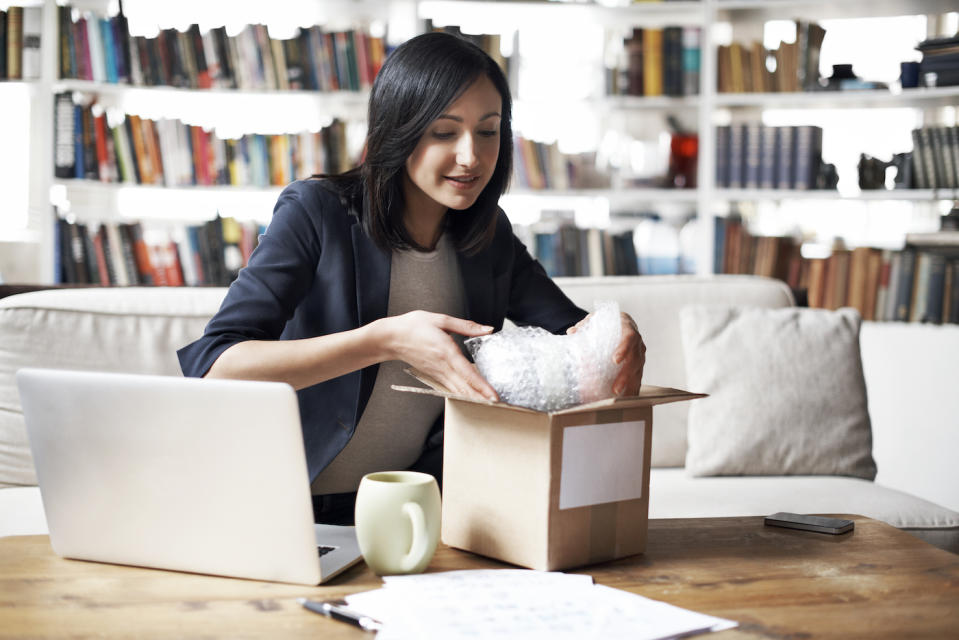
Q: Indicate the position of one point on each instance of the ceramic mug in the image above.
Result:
(398, 521)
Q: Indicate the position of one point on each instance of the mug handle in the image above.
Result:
(419, 547)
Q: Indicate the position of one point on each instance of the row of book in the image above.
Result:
(573, 251)
(909, 285)
(101, 49)
(744, 68)
(20, 35)
(756, 156)
(935, 157)
(541, 165)
(657, 62)
(172, 153)
(126, 254)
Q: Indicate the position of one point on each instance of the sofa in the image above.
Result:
(910, 372)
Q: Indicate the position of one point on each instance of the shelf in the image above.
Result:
(924, 97)
(911, 195)
(338, 103)
(613, 195)
(108, 201)
(756, 10)
(498, 17)
(946, 239)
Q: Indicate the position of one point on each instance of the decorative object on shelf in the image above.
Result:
(844, 79)
(683, 156)
(909, 74)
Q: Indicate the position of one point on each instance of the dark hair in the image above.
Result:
(417, 82)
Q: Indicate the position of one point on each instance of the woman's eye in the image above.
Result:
(442, 135)
(488, 133)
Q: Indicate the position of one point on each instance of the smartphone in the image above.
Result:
(818, 524)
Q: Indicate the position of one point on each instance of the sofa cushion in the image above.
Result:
(135, 330)
(786, 392)
(675, 494)
(655, 302)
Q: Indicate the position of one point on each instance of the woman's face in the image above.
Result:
(454, 160)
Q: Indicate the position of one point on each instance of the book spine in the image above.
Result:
(904, 290)
(14, 69)
(784, 157)
(692, 39)
(31, 36)
(64, 140)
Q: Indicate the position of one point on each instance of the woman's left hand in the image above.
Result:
(630, 353)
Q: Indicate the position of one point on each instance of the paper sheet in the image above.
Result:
(520, 604)
(617, 449)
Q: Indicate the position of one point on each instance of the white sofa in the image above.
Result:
(910, 371)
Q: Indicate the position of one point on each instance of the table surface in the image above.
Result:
(777, 583)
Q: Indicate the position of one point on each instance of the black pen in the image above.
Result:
(341, 613)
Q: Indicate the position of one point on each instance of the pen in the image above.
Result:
(342, 614)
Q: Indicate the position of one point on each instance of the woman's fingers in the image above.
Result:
(462, 327)
(631, 353)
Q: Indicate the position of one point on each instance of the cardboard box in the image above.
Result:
(548, 490)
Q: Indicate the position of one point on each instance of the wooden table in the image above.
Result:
(777, 583)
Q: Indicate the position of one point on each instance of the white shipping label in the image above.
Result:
(602, 463)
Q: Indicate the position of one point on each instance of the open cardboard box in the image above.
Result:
(548, 490)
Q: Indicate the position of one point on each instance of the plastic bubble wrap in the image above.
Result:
(530, 367)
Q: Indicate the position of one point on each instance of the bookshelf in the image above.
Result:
(617, 205)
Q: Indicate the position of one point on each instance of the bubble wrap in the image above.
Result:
(530, 367)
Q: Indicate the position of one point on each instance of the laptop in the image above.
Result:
(203, 476)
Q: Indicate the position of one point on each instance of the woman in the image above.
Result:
(364, 274)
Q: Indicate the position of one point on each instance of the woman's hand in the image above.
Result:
(422, 340)
(630, 353)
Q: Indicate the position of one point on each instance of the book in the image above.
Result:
(904, 285)
(672, 61)
(752, 143)
(768, 156)
(723, 134)
(785, 157)
(809, 39)
(691, 57)
(3, 44)
(652, 61)
(737, 155)
(31, 37)
(14, 49)
(807, 156)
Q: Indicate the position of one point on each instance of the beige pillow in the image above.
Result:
(786, 392)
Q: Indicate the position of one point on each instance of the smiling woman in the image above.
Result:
(363, 274)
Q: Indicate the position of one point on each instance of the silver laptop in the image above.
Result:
(205, 476)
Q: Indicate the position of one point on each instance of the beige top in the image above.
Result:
(393, 428)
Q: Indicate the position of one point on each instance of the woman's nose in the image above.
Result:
(466, 152)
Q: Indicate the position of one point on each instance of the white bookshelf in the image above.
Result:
(703, 112)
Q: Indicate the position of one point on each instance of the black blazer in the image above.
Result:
(316, 272)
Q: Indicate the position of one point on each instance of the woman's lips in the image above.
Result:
(462, 182)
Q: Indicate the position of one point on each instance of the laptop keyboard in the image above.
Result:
(322, 551)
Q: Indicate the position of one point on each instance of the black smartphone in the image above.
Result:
(818, 524)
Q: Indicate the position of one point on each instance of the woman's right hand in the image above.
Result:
(422, 340)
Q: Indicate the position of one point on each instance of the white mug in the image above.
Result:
(398, 521)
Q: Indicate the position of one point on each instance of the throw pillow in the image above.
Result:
(786, 392)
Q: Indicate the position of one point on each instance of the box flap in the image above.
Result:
(649, 395)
